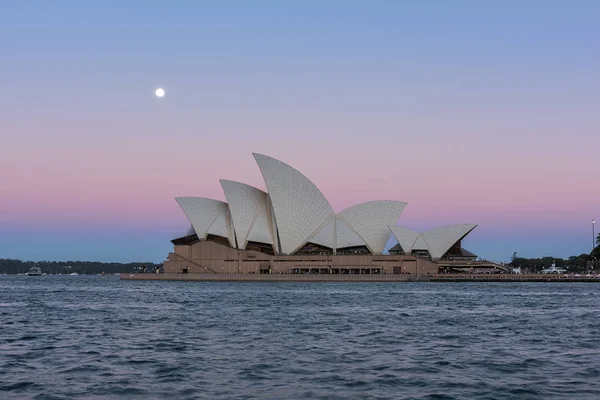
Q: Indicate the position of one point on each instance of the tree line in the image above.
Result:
(13, 266)
(577, 264)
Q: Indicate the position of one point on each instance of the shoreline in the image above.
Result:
(512, 278)
(268, 277)
(355, 278)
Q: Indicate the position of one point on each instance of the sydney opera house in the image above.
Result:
(292, 229)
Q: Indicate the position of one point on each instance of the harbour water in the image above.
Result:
(88, 337)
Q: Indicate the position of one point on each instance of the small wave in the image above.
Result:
(19, 386)
(247, 341)
(44, 396)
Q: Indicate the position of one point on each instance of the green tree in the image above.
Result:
(579, 263)
(596, 250)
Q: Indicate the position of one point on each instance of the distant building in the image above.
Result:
(292, 228)
(554, 270)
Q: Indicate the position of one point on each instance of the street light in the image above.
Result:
(593, 241)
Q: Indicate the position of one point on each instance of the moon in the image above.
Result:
(160, 92)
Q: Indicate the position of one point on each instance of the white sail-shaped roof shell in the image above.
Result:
(190, 231)
(420, 244)
(262, 230)
(208, 216)
(223, 227)
(273, 226)
(371, 221)
(345, 236)
(406, 238)
(336, 234)
(250, 214)
(326, 234)
(440, 240)
(299, 206)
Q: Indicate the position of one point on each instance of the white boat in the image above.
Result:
(554, 270)
(34, 271)
(74, 273)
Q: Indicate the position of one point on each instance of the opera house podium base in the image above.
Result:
(274, 277)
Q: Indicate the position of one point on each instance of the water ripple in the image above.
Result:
(100, 338)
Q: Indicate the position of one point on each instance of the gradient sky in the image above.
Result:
(470, 111)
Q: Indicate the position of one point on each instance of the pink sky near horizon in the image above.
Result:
(137, 192)
(77, 174)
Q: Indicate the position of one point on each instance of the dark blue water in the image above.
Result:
(78, 337)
